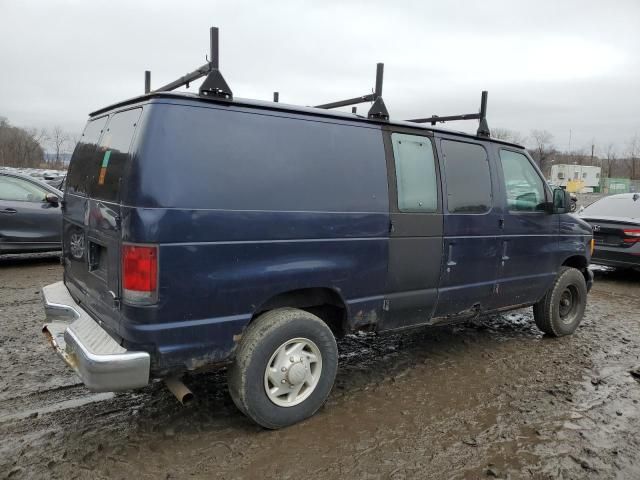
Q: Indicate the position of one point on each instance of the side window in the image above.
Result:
(524, 187)
(18, 190)
(82, 167)
(415, 173)
(468, 177)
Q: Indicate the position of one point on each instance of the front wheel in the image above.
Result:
(284, 368)
(561, 310)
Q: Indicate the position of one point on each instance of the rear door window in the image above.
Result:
(100, 159)
(468, 177)
(415, 173)
(82, 167)
(523, 185)
(112, 155)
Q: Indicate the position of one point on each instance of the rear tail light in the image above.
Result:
(633, 235)
(139, 274)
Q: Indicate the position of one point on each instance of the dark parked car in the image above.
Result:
(30, 215)
(616, 230)
(208, 231)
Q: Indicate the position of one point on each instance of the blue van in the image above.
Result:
(204, 231)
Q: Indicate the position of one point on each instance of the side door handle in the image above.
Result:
(450, 262)
(505, 257)
(9, 210)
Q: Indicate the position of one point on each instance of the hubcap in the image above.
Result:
(568, 304)
(293, 372)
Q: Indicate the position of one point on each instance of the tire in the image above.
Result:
(561, 309)
(312, 372)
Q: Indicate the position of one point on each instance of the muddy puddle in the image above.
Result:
(491, 399)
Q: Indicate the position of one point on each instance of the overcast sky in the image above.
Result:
(555, 65)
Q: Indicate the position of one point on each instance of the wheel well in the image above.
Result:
(579, 262)
(325, 303)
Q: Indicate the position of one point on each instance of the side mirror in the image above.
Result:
(561, 201)
(52, 198)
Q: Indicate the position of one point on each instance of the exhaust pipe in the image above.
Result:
(179, 389)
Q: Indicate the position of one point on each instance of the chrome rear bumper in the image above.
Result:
(102, 363)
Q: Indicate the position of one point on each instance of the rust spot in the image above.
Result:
(362, 318)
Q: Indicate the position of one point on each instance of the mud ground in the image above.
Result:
(491, 399)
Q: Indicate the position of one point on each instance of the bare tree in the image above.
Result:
(73, 142)
(633, 152)
(609, 158)
(508, 135)
(543, 149)
(59, 139)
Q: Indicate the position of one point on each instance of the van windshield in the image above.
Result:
(100, 159)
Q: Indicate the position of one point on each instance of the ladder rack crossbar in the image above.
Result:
(345, 103)
(436, 119)
(186, 79)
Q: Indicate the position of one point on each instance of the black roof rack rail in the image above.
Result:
(213, 86)
(483, 127)
(378, 109)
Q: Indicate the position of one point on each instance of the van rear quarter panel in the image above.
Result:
(246, 205)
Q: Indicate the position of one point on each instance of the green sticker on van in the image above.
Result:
(105, 159)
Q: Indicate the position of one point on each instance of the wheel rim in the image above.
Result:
(293, 372)
(569, 304)
(76, 245)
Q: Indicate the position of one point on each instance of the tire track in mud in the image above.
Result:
(54, 406)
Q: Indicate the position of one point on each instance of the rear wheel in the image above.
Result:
(561, 310)
(284, 368)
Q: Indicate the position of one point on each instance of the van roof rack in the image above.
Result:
(483, 127)
(377, 110)
(215, 85)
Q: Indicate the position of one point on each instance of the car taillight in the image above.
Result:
(139, 274)
(633, 234)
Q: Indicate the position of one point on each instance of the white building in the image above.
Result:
(563, 173)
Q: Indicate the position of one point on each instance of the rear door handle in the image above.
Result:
(9, 210)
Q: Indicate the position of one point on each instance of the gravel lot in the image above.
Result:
(491, 399)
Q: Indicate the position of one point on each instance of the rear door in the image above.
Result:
(92, 221)
(26, 219)
(472, 224)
